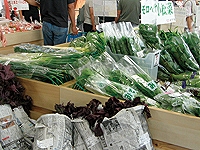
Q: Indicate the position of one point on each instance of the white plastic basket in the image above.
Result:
(149, 63)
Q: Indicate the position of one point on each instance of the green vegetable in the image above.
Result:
(141, 82)
(182, 76)
(179, 50)
(95, 83)
(163, 74)
(193, 42)
(150, 34)
(169, 63)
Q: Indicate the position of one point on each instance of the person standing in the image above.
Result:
(190, 8)
(32, 14)
(54, 16)
(128, 11)
(90, 20)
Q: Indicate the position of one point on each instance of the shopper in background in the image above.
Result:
(128, 11)
(90, 20)
(190, 7)
(54, 16)
(32, 14)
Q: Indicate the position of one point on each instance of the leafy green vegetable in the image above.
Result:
(140, 82)
(179, 50)
(193, 42)
(179, 102)
(169, 63)
(150, 34)
(96, 83)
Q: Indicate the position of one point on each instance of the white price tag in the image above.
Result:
(130, 94)
(156, 59)
(152, 85)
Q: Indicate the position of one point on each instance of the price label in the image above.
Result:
(129, 94)
(152, 85)
(101, 85)
(156, 59)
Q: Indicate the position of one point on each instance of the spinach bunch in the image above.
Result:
(180, 51)
(193, 42)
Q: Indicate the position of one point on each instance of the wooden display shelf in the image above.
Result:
(169, 130)
(166, 126)
(36, 112)
(44, 95)
(23, 37)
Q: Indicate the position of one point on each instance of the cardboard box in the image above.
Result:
(166, 126)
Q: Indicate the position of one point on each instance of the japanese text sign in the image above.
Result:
(157, 12)
(18, 5)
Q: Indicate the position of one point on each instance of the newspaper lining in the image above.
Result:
(86, 135)
(56, 128)
(124, 131)
(11, 136)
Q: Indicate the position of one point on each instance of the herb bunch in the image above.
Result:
(11, 91)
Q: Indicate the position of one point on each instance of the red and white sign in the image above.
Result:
(18, 5)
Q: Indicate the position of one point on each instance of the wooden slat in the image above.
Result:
(79, 98)
(175, 128)
(43, 94)
(23, 37)
(36, 112)
(159, 145)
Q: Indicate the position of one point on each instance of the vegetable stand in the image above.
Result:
(166, 126)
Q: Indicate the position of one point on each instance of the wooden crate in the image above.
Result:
(36, 112)
(44, 95)
(175, 128)
(171, 127)
(166, 126)
(23, 37)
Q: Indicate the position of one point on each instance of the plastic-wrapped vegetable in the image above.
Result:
(149, 33)
(180, 51)
(96, 83)
(141, 79)
(163, 73)
(193, 42)
(169, 63)
(179, 102)
(122, 39)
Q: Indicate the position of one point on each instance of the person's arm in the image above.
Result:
(118, 15)
(189, 14)
(71, 12)
(33, 2)
(92, 18)
(3, 39)
(20, 15)
(189, 23)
